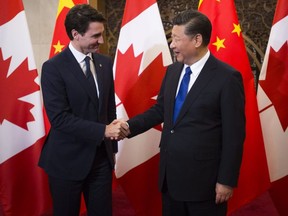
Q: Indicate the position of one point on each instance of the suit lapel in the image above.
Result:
(206, 75)
(100, 77)
(76, 70)
(172, 86)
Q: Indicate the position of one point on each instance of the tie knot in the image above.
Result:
(188, 71)
(87, 59)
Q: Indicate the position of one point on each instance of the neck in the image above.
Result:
(199, 55)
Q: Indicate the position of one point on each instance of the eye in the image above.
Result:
(97, 36)
(175, 39)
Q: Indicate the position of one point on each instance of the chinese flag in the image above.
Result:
(23, 185)
(140, 63)
(273, 105)
(60, 39)
(227, 44)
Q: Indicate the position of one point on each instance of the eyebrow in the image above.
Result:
(97, 35)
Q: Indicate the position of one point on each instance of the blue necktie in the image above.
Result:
(180, 98)
(88, 72)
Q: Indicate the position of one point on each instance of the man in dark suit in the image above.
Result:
(203, 134)
(78, 94)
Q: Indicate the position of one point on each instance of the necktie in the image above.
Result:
(180, 98)
(88, 72)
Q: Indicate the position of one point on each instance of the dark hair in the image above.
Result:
(195, 23)
(79, 17)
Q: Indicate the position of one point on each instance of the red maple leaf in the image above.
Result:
(137, 92)
(20, 83)
(276, 83)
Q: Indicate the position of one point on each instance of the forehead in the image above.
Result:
(178, 30)
(95, 27)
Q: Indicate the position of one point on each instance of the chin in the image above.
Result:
(179, 59)
(94, 50)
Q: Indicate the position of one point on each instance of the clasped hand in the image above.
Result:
(117, 130)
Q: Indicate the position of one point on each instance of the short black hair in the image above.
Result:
(79, 17)
(195, 23)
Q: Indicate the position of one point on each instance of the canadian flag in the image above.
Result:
(23, 185)
(273, 105)
(140, 64)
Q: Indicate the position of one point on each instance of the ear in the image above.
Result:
(199, 39)
(75, 34)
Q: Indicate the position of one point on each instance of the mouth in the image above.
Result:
(95, 49)
(176, 53)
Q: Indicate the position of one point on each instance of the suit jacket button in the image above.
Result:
(172, 131)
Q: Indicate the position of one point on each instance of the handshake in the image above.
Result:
(117, 130)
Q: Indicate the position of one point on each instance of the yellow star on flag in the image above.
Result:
(236, 29)
(64, 3)
(58, 47)
(200, 2)
(219, 43)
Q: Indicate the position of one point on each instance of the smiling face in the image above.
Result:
(182, 45)
(90, 40)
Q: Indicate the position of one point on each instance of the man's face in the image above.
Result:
(92, 38)
(182, 45)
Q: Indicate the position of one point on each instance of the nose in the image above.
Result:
(172, 45)
(101, 40)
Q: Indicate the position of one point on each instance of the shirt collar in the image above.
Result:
(197, 66)
(78, 55)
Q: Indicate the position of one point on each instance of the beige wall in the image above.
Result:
(41, 15)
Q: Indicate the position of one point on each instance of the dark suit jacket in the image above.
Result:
(77, 117)
(204, 146)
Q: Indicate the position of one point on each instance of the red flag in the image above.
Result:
(227, 44)
(273, 106)
(140, 63)
(60, 39)
(23, 185)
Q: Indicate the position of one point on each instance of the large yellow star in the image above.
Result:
(219, 43)
(236, 29)
(58, 47)
(64, 3)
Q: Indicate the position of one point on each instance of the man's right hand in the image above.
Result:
(117, 130)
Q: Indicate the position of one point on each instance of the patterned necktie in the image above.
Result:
(180, 98)
(88, 72)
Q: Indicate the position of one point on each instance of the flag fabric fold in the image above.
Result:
(227, 44)
(272, 98)
(23, 185)
(140, 63)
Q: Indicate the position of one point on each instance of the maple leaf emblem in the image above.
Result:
(19, 84)
(137, 92)
(276, 83)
